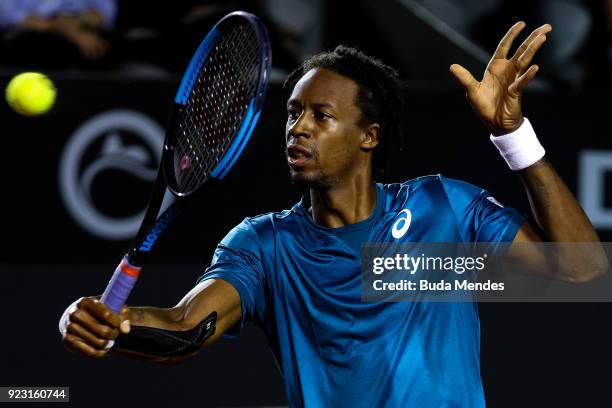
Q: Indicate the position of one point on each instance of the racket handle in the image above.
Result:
(120, 285)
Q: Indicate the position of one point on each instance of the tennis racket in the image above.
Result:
(213, 116)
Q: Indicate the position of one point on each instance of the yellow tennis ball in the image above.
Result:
(30, 93)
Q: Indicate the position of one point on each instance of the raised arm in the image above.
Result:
(496, 100)
(161, 335)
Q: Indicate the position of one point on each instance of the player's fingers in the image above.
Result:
(506, 42)
(543, 29)
(105, 44)
(100, 311)
(87, 336)
(525, 59)
(94, 52)
(124, 327)
(464, 77)
(517, 87)
(85, 49)
(89, 48)
(76, 345)
(124, 312)
(83, 318)
(99, 48)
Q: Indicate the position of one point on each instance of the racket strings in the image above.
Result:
(222, 101)
(192, 178)
(217, 106)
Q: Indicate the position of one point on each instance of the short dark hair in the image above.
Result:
(379, 97)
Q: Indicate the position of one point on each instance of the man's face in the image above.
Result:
(323, 135)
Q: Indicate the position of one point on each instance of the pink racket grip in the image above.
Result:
(120, 285)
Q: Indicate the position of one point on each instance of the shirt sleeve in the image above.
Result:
(238, 260)
(480, 217)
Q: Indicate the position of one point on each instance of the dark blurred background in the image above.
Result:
(116, 64)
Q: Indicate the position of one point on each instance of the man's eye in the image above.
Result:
(293, 114)
(321, 116)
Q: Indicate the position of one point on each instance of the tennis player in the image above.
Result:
(296, 273)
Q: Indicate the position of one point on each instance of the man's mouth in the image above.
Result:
(297, 156)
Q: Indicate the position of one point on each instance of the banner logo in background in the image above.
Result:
(79, 168)
(593, 167)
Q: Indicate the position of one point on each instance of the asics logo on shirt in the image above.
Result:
(401, 225)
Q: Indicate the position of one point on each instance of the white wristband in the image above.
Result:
(521, 148)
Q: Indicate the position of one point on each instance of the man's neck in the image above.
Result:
(344, 204)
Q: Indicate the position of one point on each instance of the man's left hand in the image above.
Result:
(497, 98)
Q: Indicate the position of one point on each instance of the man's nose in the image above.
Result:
(300, 128)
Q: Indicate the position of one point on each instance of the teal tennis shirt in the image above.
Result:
(301, 283)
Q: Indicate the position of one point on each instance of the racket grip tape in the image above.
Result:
(120, 285)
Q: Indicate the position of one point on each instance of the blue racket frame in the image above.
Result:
(126, 274)
(256, 103)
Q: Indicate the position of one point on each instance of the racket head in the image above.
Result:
(217, 104)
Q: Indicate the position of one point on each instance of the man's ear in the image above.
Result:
(370, 137)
